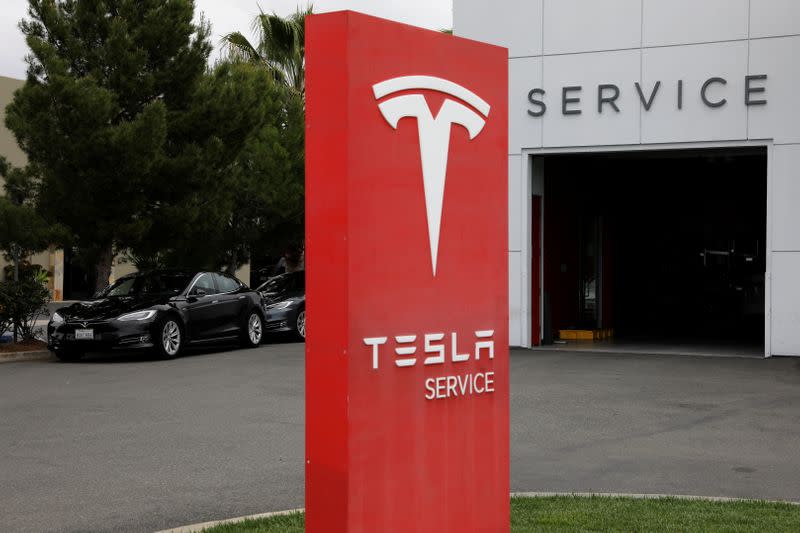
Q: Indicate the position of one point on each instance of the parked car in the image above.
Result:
(284, 300)
(165, 310)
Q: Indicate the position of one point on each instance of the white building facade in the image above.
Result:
(651, 83)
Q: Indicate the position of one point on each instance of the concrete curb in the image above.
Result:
(16, 357)
(197, 528)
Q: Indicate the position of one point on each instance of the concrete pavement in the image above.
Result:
(656, 424)
(127, 443)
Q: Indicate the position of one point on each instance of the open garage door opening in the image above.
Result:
(662, 249)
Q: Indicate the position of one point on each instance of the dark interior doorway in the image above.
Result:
(77, 281)
(657, 245)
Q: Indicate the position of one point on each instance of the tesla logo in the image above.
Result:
(434, 133)
(435, 353)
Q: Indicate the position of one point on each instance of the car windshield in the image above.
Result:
(156, 283)
(276, 284)
(284, 282)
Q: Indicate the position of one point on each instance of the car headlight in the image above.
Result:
(138, 315)
(281, 305)
(56, 318)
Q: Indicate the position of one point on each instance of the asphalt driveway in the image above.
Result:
(133, 444)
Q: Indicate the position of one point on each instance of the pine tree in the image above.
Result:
(105, 113)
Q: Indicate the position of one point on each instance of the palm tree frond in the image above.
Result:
(281, 46)
(240, 47)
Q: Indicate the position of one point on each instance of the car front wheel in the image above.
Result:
(300, 324)
(253, 331)
(170, 339)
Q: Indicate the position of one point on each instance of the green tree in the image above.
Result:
(272, 167)
(203, 188)
(23, 231)
(268, 184)
(104, 111)
(280, 47)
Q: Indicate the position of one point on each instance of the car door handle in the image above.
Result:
(242, 297)
(215, 301)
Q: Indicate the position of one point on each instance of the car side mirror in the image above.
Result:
(195, 295)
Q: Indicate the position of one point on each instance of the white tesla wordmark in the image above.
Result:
(434, 349)
(434, 133)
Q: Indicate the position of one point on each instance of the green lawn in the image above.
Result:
(602, 514)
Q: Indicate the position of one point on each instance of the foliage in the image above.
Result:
(270, 172)
(21, 303)
(598, 513)
(22, 230)
(145, 262)
(26, 270)
(568, 514)
(280, 47)
(188, 227)
(106, 102)
(268, 184)
(289, 523)
(136, 145)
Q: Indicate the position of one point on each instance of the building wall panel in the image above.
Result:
(785, 303)
(771, 18)
(689, 21)
(524, 131)
(572, 26)
(516, 298)
(785, 175)
(515, 24)
(779, 119)
(696, 121)
(590, 127)
(516, 207)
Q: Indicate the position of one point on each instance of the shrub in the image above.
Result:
(21, 303)
(26, 270)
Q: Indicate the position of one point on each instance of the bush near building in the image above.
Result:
(21, 303)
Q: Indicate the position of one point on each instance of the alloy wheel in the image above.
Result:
(301, 323)
(254, 329)
(171, 338)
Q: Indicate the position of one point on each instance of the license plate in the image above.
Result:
(84, 334)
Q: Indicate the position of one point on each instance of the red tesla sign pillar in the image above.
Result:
(407, 409)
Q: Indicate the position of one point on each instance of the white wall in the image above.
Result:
(519, 284)
(588, 25)
(694, 64)
(693, 21)
(588, 71)
(558, 43)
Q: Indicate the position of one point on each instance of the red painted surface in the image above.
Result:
(536, 270)
(380, 456)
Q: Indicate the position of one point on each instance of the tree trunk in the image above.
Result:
(232, 263)
(103, 268)
(15, 251)
(16, 263)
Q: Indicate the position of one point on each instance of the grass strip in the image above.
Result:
(555, 514)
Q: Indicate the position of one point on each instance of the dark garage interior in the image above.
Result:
(662, 246)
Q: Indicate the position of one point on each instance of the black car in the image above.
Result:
(163, 309)
(284, 299)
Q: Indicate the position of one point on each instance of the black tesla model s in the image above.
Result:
(284, 299)
(163, 309)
